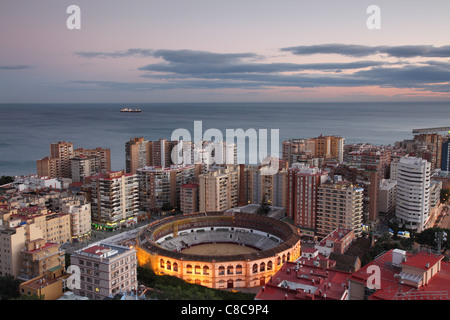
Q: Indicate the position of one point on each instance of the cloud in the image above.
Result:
(201, 67)
(351, 50)
(16, 67)
(190, 69)
(116, 54)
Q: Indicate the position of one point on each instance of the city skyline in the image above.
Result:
(198, 51)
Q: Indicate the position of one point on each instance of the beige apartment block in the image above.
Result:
(55, 227)
(271, 189)
(160, 186)
(12, 242)
(102, 155)
(49, 167)
(40, 256)
(80, 218)
(219, 189)
(339, 205)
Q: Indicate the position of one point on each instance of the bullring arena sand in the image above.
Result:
(223, 249)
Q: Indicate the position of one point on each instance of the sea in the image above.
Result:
(26, 130)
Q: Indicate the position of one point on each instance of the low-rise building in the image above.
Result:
(105, 269)
(48, 286)
(400, 275)
(39, 256)
(297, 281)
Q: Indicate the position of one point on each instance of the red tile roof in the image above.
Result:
(305, 283)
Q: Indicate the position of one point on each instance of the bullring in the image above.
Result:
(161, 244)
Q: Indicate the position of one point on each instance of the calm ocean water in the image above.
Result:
(26, 130)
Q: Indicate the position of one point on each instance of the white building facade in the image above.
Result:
(413, 193)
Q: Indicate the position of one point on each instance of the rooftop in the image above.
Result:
(392, 286)
(296, 281)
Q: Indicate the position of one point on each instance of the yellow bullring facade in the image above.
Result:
(161, 244)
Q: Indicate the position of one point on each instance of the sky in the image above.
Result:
(143, 51)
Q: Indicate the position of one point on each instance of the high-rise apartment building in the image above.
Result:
(445, 158)
(367, 177)
(429, 147)
(387, 196)
(189, 198)
(303, 183)
(161, 153)
(326, 148)
(294, 147)
(59, 163)
(83, 166)
(105, 270)
(80, 218)
(413, 192)
(137, 154)
(49, 167)
(339, 205)
(376, 157)
(114, 198)
(329, 147)
(219, 189)
(102, 156)
(159, 186)
(13, 238)
(271, 189)
(63, 151)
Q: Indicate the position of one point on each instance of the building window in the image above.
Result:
(238, 269)
(206, 270)
(221, 271)
(230, 270)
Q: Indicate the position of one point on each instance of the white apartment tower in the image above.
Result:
(114, 199)
(413, 192)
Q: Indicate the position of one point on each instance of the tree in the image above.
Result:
(428, 237)
(264, 207)
(9, 288)
(166, 207)
(6, 180)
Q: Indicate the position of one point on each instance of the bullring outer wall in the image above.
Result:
(235, 271)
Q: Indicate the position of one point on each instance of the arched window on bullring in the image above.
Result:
(269, 266)
(197, 269)
(289, 256)
(278, 261)
(206, 270)
(230, 270)
(161, 263)
(221, 270)
(255, 268)
(168, 265)
(175, 267)
(262, 267)
(238, 269)
(189, 269)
